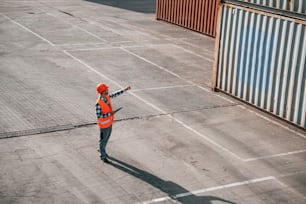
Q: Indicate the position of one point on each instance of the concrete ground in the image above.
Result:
(174, 140)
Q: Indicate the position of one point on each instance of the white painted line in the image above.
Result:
(92, 69)
(121, 46)
(160, 67)
(159, 88)
(164, 112)
(207, 84)
(84, 30)
(275, 155)
(195, 54)
(126, 41)
(101, 26)
(274, 122)
(206, 138)
(181, 40)
(205, 89)
(291, 174)
(174, 74)
(224, 98)
(189, 128)
(90, 33)
(152, 63)
(101, 48)
(91, 49)
(182, 48)
(161, 111)
(297, 193)
(231, 185)
(78, 44)
(148, 103)
(27, 29)
(156, 108)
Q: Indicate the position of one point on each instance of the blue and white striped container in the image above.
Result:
(260, 59)
(296, 6)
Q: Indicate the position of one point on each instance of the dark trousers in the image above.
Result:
(104, 137)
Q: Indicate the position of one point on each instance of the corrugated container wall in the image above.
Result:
(297, 6)
(197, 15)
(260, 58)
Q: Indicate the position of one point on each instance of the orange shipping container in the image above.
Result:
(197, 15)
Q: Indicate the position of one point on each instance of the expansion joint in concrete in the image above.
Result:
(66, 127)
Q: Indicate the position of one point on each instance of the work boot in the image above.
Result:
(98, 150)
(106, 160)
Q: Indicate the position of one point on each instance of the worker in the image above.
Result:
(105, 116)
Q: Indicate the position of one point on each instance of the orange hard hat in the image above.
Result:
(101, 88)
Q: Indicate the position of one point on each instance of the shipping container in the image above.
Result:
(197, 15)
(260, 59)
(296, 6)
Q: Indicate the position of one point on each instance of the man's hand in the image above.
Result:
(127, 88)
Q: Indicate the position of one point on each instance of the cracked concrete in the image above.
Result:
(173, 141)
(58, 128)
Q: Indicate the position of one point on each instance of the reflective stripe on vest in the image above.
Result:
(107, 121)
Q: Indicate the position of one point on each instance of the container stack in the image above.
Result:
(260, 55)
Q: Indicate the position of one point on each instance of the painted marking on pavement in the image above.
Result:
(164, 112)
(297, 193)
(195, 54)
(190, 82)
(27, 29)
(156, 108)
(101, 48)
(78, 44)
(209, 189)
(84, 30)
(274, 122)
(152, 63)
(182, 40)
(159, 88)
(275, 155)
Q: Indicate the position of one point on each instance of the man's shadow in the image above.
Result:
(173, 190)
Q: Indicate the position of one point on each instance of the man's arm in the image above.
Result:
(119, 92)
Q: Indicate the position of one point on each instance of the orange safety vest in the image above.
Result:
(108, 121)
